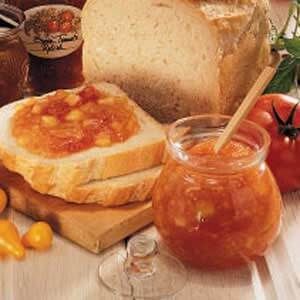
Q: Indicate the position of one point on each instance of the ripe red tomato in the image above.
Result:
(52, 26)
(280, 116)
(65, 27)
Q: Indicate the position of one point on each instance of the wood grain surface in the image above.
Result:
(91, 226)
(68, 272)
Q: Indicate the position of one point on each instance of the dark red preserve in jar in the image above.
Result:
(52, 36)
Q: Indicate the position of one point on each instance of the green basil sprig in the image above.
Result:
(287, 74)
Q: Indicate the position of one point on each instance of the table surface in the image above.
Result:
(69, 272)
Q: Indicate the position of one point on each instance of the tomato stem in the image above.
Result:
(287, 127)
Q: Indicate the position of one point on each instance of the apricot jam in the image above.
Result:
(65, 122)
(216, 210)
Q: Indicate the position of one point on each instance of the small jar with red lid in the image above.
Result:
(52, 36)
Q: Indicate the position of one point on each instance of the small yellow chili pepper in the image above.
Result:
(10, 242)
(3, 200)
(39, 236)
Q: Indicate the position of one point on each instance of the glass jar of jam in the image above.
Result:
(13, 56)
(216, 210)
(52, 36)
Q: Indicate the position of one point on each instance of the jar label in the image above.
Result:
(52, 31)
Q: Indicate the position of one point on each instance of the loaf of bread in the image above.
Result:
(177, 57)
(67, 176)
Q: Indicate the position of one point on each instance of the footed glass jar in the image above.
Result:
(216, 210)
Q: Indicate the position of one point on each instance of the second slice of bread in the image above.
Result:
(61, 175)
(116, 191)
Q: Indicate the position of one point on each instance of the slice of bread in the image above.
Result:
(116, 191)
(59, 176)
(177, 57)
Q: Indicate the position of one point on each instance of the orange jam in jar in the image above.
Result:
(216, 210)
(66, 122)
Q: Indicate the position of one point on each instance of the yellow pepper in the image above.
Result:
(10, 242)
(3, 200)
(39, 236)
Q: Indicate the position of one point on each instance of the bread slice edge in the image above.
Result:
(136, 187)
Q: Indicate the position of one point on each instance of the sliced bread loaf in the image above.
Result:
(59, 176)
(177, 57)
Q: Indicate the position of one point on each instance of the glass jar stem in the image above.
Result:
(141, 252)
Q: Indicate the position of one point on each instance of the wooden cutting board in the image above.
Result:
(90, 225)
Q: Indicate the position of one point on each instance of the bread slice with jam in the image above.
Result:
(76, 176)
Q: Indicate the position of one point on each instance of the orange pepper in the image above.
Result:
(3, 200)
(10, 242)
(39, 236)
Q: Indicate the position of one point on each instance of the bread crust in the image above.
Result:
(62, 180)
(244, 60)
(110, 193)
(59, 177)
(244, 47)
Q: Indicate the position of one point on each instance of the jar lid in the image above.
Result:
(11, 19)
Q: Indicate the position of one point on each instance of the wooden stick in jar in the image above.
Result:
(257, 89)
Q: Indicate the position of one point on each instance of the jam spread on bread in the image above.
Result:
(66, 122)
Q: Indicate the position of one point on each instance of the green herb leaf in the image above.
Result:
(284, 77)
(293, 46)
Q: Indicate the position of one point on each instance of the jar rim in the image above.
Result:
(20, 16)
(232, 165)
